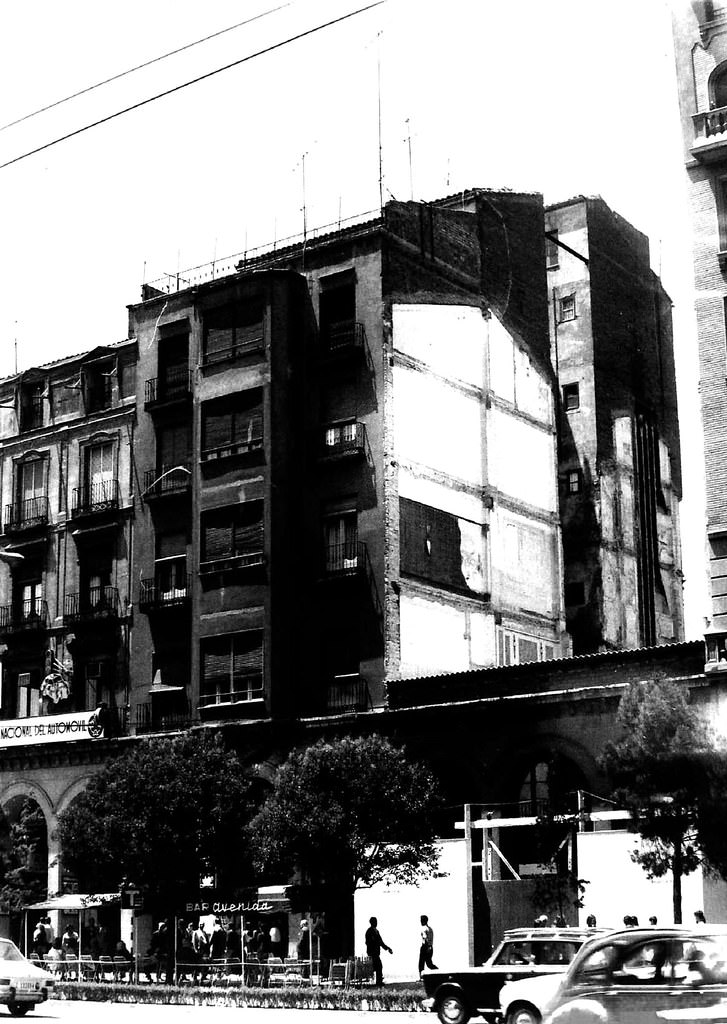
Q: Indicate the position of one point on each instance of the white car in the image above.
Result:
(524, 1001)
(22, 984)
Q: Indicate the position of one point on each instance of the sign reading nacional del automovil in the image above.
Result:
(82, 725)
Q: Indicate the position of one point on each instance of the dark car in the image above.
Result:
(646, 976)
(457, 995)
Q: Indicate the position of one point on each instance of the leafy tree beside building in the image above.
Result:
(670, 774)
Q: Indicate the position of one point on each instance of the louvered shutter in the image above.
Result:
(217, 428)
(217, 538)
(247, 659)
(216, 667)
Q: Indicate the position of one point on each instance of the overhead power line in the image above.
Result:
(191, 81)
(139, 67)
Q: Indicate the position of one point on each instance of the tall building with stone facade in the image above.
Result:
(700, 39)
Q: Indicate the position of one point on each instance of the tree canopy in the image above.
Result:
(160, 816)
(348, 813)
(670, 775)
(23, 857)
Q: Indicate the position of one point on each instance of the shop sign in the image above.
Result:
(218, 907)
(49, 729)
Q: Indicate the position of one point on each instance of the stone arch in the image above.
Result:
(72, 791)
(14, 796)
(717, 86)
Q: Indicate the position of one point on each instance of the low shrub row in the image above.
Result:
(303, 998)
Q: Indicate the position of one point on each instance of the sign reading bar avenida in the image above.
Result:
(50, 729)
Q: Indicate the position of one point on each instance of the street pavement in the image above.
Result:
(73, 1012)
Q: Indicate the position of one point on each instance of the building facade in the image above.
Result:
(619, 455)
(700, 42)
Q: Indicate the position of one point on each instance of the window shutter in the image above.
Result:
(247, 656)
(216, 664)
(217, 429)
(217, 539)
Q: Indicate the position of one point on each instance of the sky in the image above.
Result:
(568, 97)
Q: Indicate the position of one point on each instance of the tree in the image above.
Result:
(668, 774)
(161, 815)
(344, 814)
(23, 857)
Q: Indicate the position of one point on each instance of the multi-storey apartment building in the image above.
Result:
(700, 41)
(619, 456)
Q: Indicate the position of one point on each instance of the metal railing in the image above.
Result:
(170, 591)
(344, 336)
(158, 483)
(352, 559)
(99, 497)
(150, 717)
(239, 560)
(90, 604)
(248, 688)
(24, 515)
(348, 693)
(343, 439)
(24, 615)
(241, 347)
(174, 385)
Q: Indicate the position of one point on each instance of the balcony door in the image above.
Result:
(96, 576)
(32, 482)
(341, 542)
(28, 599)
(100, 474)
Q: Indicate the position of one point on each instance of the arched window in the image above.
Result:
(718, 87)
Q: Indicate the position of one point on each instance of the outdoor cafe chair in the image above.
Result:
(52, 965)
(122, 968)
(105, 968)
(71, 967)
(87, 967)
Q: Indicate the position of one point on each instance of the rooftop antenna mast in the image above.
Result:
(16, 346)
(305, 224)
(378, 93)
(411, 177)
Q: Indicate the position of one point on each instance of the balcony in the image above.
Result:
(348, 693)
(343, 338)
(167, 482)
(173, 388)
(26, 515)
(239, 446)
(343, 441)
(161, 593)
(155, 716)
(96, 604)
(710, 135)
(95, 499)
(24, 616)
(351, 561)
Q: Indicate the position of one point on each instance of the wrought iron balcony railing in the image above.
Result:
(103, 496)
(352, 559)
(27, 514)
(155, 717)
(348, 693)
(24, 615)
(254, 558)
(92, 604)
(175, 385)
(341, 336)
(167, 480)
(165, 591)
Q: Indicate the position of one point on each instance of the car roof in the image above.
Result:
(553, 933)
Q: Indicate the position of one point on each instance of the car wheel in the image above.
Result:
(453, 1010)
(523, 1015)
(18, 1009)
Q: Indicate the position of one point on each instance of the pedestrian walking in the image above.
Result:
(374, 945)
(426, 949)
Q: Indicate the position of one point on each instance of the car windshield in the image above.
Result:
(9, 951)
(551, 952)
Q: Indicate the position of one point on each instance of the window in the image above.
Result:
(28, 694)
(100, 486)
(31, 405)
(567, 307)
(337, 311)
(173, 367)
(234, 533)
(575, 593)
(341, 542)
(31, 507)
(170, 566)
(233, 425)
(232, 668)
(552, 251)
(233, 331)
(574, 481)
(719, 88)
(174, 445)
(515, 649)
(66, 397)
(342, 435)
(28, 604)
(571, 397)
(98, 385)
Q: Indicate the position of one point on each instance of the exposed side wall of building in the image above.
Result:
(472, 443)
(700, 39)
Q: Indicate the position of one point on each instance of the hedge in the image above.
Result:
(302, 998)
